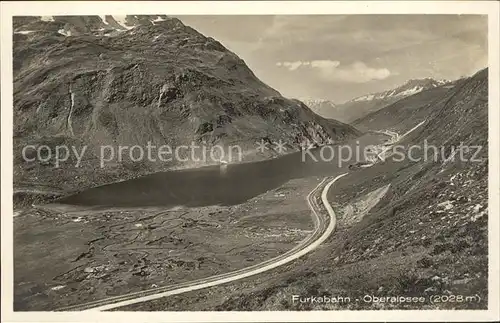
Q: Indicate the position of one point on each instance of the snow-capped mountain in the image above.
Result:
(320, 106)
(105, 25)
(316, 101)
(361, 106)
(409, 88)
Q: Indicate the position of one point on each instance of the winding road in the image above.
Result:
(395, 138)
(324, 225)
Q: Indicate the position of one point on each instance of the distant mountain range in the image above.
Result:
(320, 106)
(363, 105)
(409, 88)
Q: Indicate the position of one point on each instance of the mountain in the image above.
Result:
(320, 106)
(401, 114)
(409, 88)
(363, 105)
(106, 25)
(100, 81)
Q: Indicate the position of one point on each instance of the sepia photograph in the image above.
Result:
(201, 160)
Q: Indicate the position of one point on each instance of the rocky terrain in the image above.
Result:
(359, 107)
(123, 81)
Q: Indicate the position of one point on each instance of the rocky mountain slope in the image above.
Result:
(125, 81)
(401, 114)
(433, 219)
(361, 106)
(427, 235)
(409, 88)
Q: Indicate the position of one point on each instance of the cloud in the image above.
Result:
(292, 66)
(324, 64)
(319, 64)
(357, 72)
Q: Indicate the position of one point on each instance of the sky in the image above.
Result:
(340, 57)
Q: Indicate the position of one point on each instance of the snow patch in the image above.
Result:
(158, 19)
(446, 204)
(452, 178)
(365, 97)
(403, 91)
(24, 32)
(122, 20)
(47, 18)
(69, 121)
(476, 217)
(64, 32)
(103, 18)
(411, 91)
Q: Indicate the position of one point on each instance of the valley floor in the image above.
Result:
(66, 255)
(433, 253)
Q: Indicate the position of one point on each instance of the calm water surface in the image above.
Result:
(213, 185)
